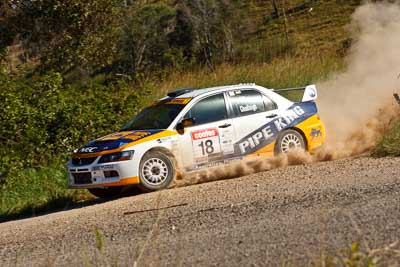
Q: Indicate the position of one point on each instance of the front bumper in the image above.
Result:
(92, 175)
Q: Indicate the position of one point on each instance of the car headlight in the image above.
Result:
(119, 156)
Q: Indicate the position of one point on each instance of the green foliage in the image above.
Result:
(353, 256)
(356, 258)
(99, 239)
(137, 37)
(389, 145)
(43, 121)
(30, 191)
(63, 34)
(144, 41)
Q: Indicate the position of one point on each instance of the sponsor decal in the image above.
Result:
(104, 167)
(248, 108)
(316, 132)
(206, 133)
(171, 101)
(137, 135)
(87, 149)
(206, 144)
(113, 136)
(166, 139)
(178, 101)
(290, 116)
(115, 140)
(133, 136)
(234, 92)
(256, 139)
(212, 164)
(312, 92)
(266, 134)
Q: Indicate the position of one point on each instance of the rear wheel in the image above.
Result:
(156, 171)
(289, 140)
(108, 192)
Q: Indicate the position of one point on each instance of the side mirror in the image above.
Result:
(180, 127)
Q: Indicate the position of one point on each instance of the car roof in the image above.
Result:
(198, 92)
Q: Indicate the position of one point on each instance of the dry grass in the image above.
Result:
(281, 72)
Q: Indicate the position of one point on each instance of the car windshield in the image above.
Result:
(158, 116)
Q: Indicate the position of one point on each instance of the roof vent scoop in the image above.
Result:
(180, 92)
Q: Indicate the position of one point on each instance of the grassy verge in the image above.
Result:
(389, 145)
(34, 190)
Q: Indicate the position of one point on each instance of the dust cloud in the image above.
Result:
(356, 105)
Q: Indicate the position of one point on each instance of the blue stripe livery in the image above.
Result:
(269, 132)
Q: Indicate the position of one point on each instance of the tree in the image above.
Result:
(275, 6)
(144, 42)
(213, 37)
(63, 34)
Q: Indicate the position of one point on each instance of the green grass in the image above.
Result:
(389, 145)
(35, 191)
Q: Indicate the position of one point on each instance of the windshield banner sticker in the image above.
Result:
(178, 101)
(115, 140)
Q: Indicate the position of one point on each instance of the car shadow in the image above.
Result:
(63, 204)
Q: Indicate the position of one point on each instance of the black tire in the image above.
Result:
(108, 192)
(289, 140)
(156, 171)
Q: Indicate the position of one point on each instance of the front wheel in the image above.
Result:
(289, 140)
(156, 171)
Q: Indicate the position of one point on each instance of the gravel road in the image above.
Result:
(292, 214)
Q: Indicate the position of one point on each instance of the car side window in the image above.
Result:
(246, 102)
(269, 104)
(208, 110)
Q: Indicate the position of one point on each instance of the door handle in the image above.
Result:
(270, 116)
(226, 125)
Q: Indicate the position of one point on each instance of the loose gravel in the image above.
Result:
(293, 214)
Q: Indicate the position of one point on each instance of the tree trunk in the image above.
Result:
(285, 23)
(276, 11)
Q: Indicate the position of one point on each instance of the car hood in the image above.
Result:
(115, 141)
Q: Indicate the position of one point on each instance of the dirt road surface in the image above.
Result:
(290, 214)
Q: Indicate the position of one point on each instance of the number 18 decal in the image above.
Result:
(205, 142)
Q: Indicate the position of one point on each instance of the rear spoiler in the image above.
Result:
(310, 92)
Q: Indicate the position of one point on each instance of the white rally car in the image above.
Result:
(193, 129)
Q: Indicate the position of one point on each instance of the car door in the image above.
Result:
(252, 113)
(210, 139)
